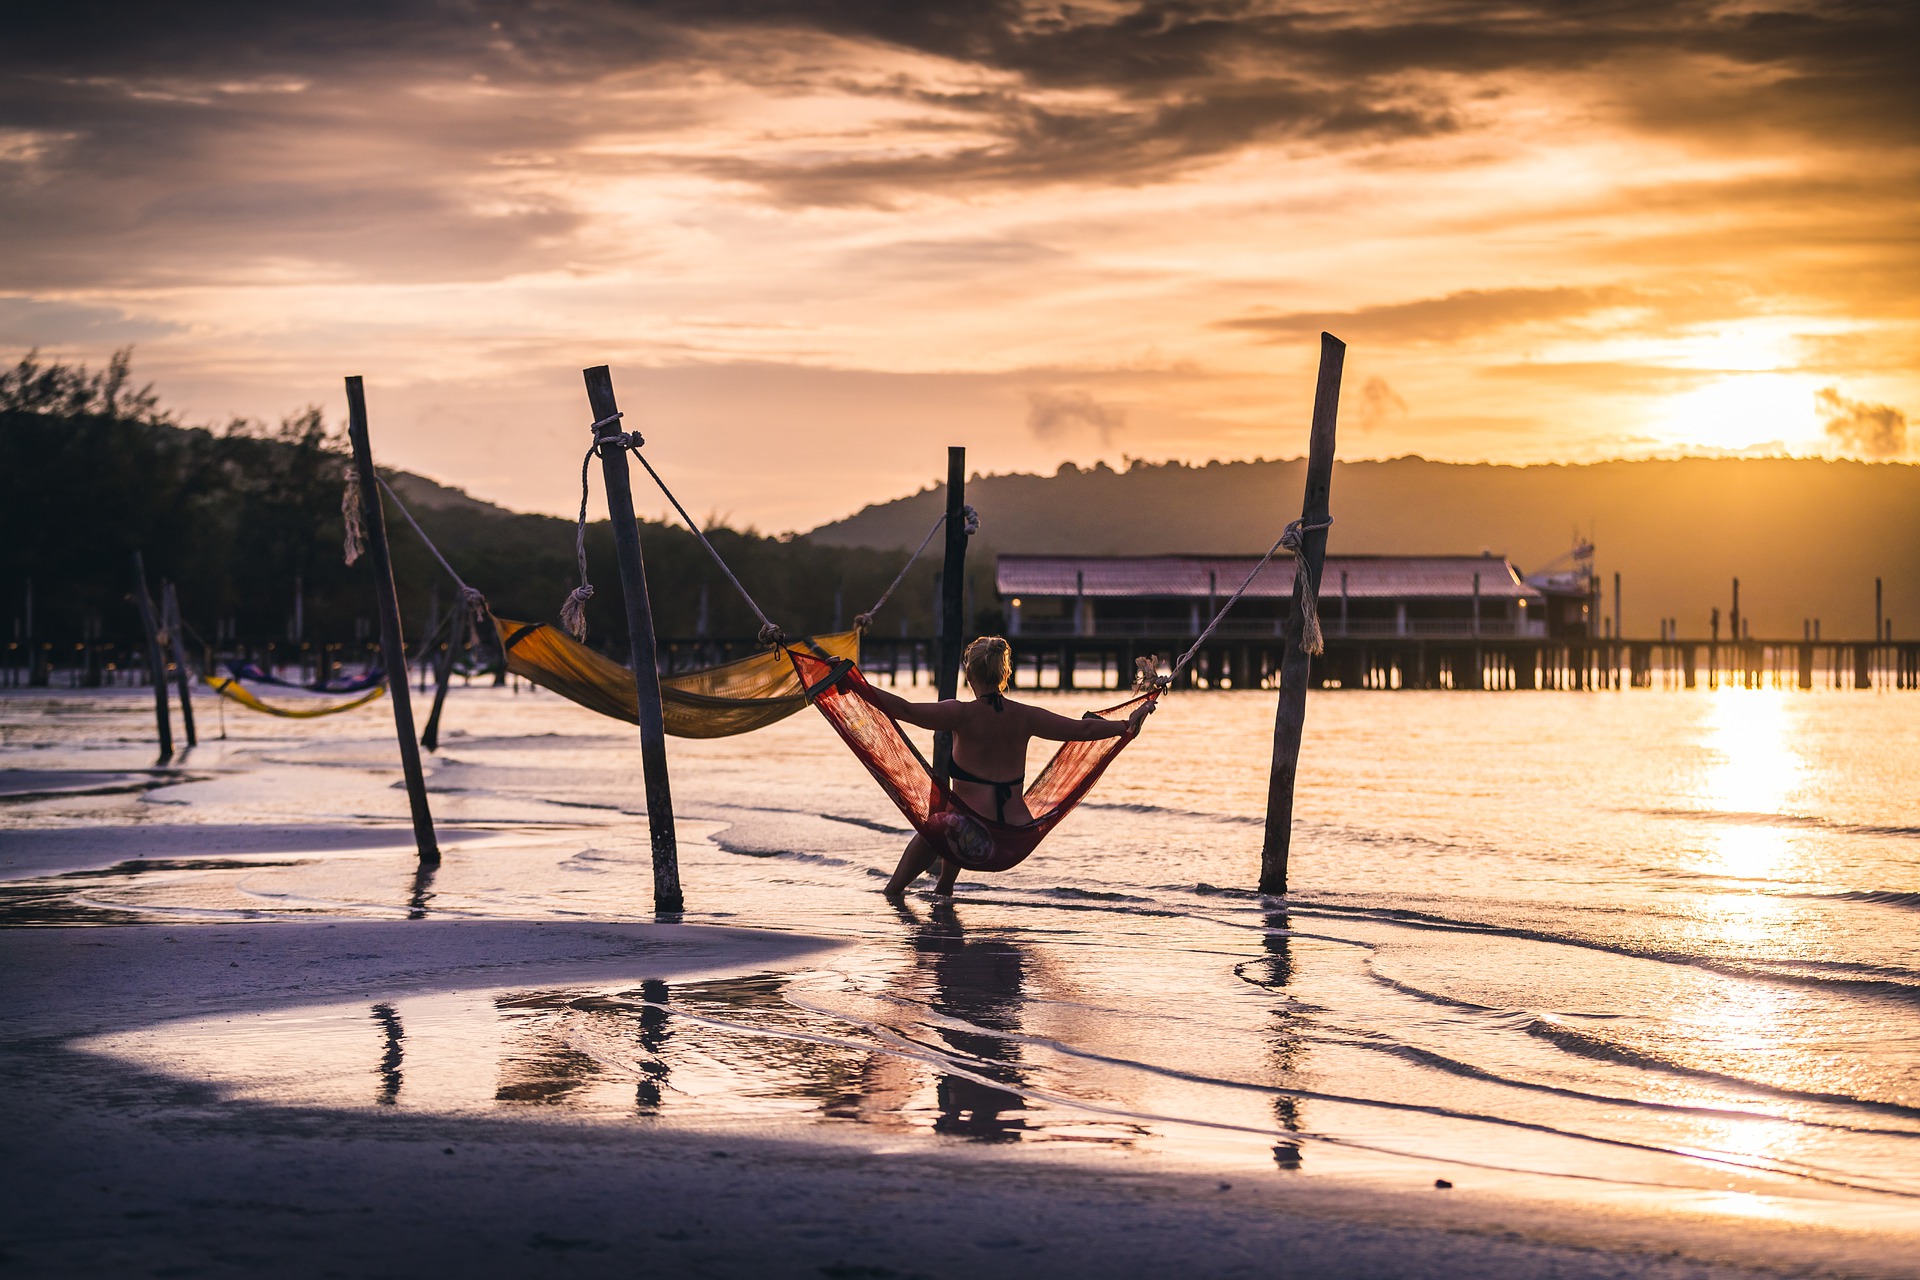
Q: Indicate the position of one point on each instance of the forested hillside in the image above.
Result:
(92, 470)
(1806, 537)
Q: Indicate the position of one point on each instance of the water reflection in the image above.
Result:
(653, 1040)
(421, 893)
(1275, 972)
(389, 1069)
(981, 981)
(538, 1065)
(1753, 768)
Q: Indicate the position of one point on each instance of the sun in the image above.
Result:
(1738, 412)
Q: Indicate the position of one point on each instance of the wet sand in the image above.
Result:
(257, 1040)
(114, 1170)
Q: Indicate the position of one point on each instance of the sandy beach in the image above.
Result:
(112, 1170)
(245, 1033)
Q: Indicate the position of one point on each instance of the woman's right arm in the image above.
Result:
(922, 715)
(1059, 728)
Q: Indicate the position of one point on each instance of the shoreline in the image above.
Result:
(111, 1165)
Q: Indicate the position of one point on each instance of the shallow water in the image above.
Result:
(1628, 944)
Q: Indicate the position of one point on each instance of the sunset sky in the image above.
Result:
(820, 241)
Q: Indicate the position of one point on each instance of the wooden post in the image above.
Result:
(393, 645)
(641, 649)
(443, 672)
(1291, 714)
(170, 614)
(156, 660)
(953, 585)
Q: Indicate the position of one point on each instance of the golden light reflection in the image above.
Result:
(1753, 769)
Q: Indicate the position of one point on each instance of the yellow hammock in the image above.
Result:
(714, 702)
(230, 688)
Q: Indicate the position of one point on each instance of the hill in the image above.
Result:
(1805, 537)
(245, 519)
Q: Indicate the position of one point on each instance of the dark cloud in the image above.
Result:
(1871, 430)
(1447, 319)
(365, 139)
(28, 322)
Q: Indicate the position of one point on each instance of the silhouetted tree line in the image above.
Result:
(92, 469)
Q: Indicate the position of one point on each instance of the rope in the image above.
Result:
(573, 612)
(969, 523)
(770, 635)
(1306, 587)
(469, 597)
(355, 542)
(1148, 672)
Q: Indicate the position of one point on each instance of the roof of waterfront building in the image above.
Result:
(1183, 576)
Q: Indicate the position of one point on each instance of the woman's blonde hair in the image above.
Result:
(988, 663)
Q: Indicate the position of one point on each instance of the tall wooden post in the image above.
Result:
(393, 645)
(667, 898)
(156, 660)
(1291, 715)
(170, 615)
(953, 586)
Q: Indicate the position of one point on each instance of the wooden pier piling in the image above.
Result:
(393, 645)
(642, 650)
(1296, 665)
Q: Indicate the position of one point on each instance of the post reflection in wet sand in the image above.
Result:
(981, 981)
(1275, 972)
(389, 1069)
(653, 1038)
(421, 891)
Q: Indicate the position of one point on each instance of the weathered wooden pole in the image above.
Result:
(393, 645)
(1295, 664)
(156, 660)
(443, 673)
(641, 649)
(170, 615)
(953, 586)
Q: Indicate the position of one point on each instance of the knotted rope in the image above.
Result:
(1147, 670)
(573, 612)
(355, 543)
(1306, 586)
(969, 524)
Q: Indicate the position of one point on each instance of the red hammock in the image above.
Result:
(975, 841)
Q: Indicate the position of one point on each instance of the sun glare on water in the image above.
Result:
(1755, 772)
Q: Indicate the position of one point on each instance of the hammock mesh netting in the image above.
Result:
(976, 842)
(714, 702)
(231, 688)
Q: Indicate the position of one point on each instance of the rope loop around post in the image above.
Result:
(1306, 586)
(354, 545)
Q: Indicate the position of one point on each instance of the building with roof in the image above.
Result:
(1175, 595)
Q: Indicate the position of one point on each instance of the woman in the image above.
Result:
(990, 736)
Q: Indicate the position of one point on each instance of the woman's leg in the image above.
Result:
(914, 859)
(949, 872)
